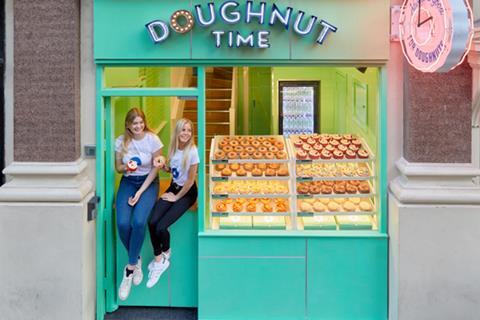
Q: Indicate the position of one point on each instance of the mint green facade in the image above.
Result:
(247, 274)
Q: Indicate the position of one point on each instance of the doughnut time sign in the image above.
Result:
(262, 15)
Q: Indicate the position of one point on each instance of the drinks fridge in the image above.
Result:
(298, 107)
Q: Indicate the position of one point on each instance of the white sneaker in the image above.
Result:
(157, 269)
(125, 286)
(137, 273)
(166, 254)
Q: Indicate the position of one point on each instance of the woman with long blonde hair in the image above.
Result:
(138, 190)
(182, 193)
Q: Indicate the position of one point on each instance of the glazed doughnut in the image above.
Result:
(244, 155)
(298, 143)
(306, 147)
(269, 173)
(313, 154)
(282, 172)
(301, 154)
(311, 141)
(330, 148)
(219, 155)
(348, 206)
(365, 206)
(228, 148)
(238, 149)
(328, 183)
(281, 155)
(221, 206)
(248, 166)
(273, 149)
(334, 143)
(282, 207)
(314, 190)
(339, 189)
(323, 142)
(318, 147)
(274, 166)
(232, 155)
(234, 143)
(342, 148)
(353, 147)
(306, 207)
(357, 143)
(345, 142)
(244, 143)
(355, 182)
(279, 144)
(326, 190)
(226, 172)
(267, 144)
(222, 144)
(262, 166)
(267, 207)
(257, 155)
(237, 206)
(262, 150)
(251, 207)
(304, 137)
(234, 166)
(255, 144)
(326, 155)
(269, 155)
(261, 139)
(241, 172)
(337, 154)
(219, 167)
(256, 172)
(351, 189)
(250, 150)
(349, 154)
(364, 187)
(302, 189)
(362, 154)
(319, 207)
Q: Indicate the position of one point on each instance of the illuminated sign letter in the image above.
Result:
(244, 41)
(263, 39)
(308, 29)
(158, 30)
(327, 27)
(218, 37)
(234, 15)
(260, 15)
(277, 15)
(201, 20)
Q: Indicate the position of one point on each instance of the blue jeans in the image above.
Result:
(132, 221)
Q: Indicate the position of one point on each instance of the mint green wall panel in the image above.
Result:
(363, 31)
(260, 98)
(120, 33)
(178, 285)
(347, 278)
(250, 246)
(251, 288)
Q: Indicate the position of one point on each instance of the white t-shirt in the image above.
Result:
(180, 175)
(140, 151)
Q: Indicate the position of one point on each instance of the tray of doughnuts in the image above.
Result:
(250, 187)
(250, 206)
(328, 188)
(249, 148)
(336, 206)
(327, 147)
(250, 170)
(335, 171)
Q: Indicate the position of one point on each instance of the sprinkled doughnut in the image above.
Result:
(182, 28)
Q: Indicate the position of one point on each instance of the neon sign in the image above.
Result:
(183, 21)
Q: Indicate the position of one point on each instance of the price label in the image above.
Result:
(219, 178)
(219, 196)
(304, 196)
(304, 179)
(220, 214)
(304, 161)
(219, 161)
(305, 214)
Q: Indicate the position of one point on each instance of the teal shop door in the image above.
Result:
(178, 286)
(260, 100)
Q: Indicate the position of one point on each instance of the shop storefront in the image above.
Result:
(291, 219)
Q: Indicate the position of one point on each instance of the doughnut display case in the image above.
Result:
(250, 183)
(334, 181)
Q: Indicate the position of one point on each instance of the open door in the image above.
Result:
(178, 286)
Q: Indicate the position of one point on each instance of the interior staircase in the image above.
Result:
(218, 102)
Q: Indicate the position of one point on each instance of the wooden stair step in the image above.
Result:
(218, 93)
(211, 104)
(215, 83)
(223, 73)
(212, 115)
